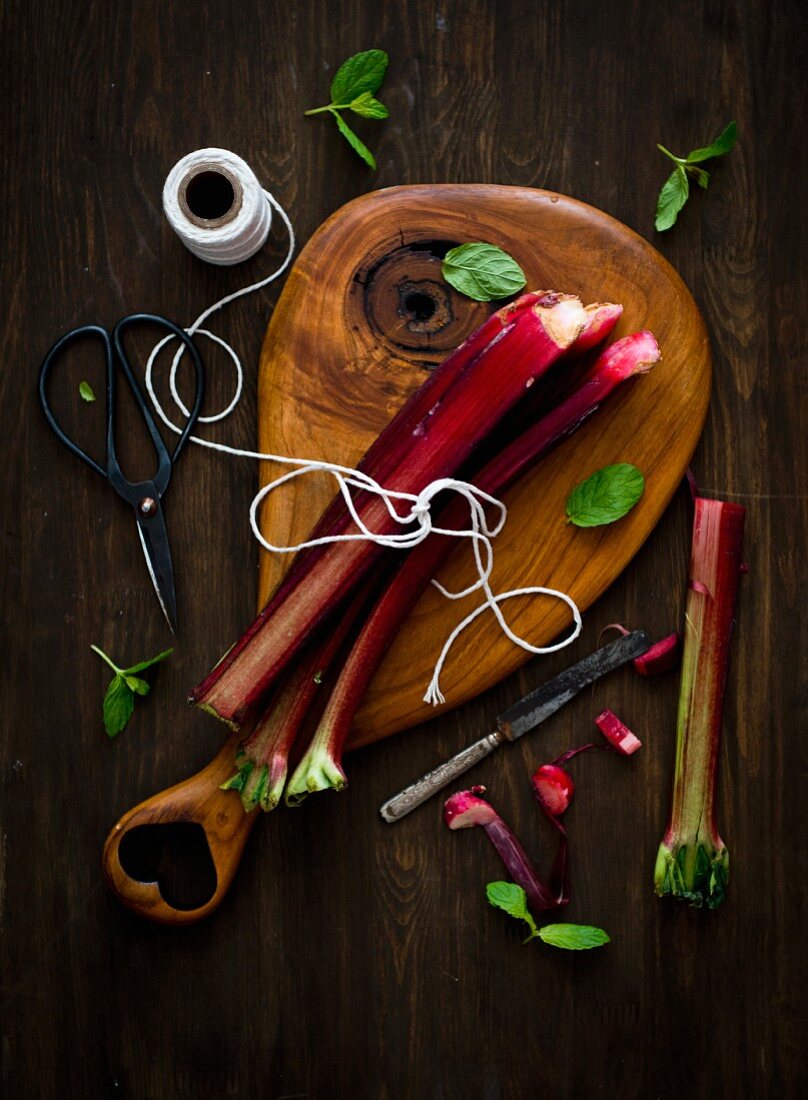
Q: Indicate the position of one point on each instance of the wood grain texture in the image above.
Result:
(353, 958)
(344, 350)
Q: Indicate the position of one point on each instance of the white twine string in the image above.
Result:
(417, 518)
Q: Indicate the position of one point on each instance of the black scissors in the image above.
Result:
(144, 496)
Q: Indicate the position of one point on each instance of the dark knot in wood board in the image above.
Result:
(410, 307)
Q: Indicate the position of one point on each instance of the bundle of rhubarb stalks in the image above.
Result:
(306, 660)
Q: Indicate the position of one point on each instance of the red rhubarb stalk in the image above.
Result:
(262, 758)
(440, 442)
(622, 360)
(693, 861)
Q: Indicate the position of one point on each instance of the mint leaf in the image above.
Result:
(606, 496)
(354, 141)
(573, 937)
(701, 177)
(722, 144)
(148, 664)
(138, 686)
(354, 86)
(482, 271)
(86, 391)
(119, 702)
(364, 72)
(675, 190)
(368, 106)
(671, 199)
(511, 898)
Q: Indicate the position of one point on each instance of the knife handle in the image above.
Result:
(411, 797)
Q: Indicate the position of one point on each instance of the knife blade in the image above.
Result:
(530, 711)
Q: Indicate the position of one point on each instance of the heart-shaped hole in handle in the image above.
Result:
(176, 856)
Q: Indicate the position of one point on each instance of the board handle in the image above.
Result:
(197, 801)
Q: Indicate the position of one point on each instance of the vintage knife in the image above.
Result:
(523, 716)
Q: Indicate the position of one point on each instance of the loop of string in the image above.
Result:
(414, 511)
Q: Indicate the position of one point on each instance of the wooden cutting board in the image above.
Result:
(365, 314)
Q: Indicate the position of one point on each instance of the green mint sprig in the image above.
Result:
(676, 189)
(482, 271)
(605, 496)
(354, 89)
(572, 937)
(119, 701)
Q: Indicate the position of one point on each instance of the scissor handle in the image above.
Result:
(114, 349)
(165, 460)
(44, 373)
(196, 801)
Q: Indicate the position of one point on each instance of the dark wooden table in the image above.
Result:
(352, 958)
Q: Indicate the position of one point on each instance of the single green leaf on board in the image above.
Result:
(722, 144)
(573, 937)
(606, 496)
(482, 271)
(700, 175)
(364, 72)
(86, 391)
(355, 143)
(671, 199)
(119, 702)
(511, 898)
(368, 106)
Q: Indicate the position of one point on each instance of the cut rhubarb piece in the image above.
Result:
(616, 733)
(553, 787)
(626, 358)
(440, 442)
(465, 809)
(693, 862)
(661, 657)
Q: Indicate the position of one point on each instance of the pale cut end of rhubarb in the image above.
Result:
(317, 771)
(601, 317)
(465, 810)
(562, 315)
(616, 733)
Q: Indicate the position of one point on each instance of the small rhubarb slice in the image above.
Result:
(661, 657)
(553, 787)
(624, 359)
(693, 862)
(616, 733)
(435, 447)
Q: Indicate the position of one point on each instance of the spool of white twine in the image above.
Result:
(217, 207)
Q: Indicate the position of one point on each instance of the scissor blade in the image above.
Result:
(154, 540)
(550, 697)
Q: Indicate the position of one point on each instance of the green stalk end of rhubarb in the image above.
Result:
(696, 872)
(317, 771)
